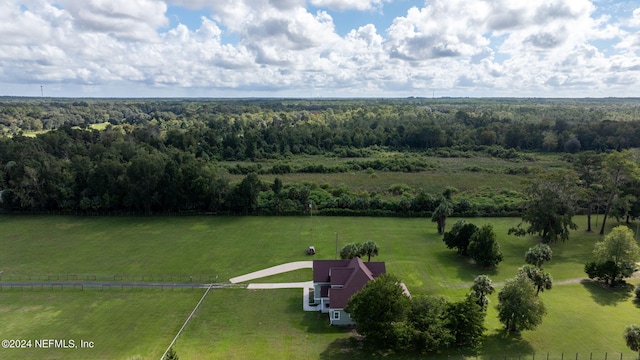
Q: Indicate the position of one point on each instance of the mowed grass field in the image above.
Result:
(243, 324)
(121, 324)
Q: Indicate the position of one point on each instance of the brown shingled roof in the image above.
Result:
(352, 274)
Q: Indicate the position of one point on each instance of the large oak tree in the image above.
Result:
(549, 208)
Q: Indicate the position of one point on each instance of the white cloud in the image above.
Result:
(635, 18)
(126, 19)
(630, 41)
(458, 47)
(349, 4)
(441, 29)
(31, 26)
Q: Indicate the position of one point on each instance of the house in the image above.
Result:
(335, 281)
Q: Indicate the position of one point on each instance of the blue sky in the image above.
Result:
(320, 48)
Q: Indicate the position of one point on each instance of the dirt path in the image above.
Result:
(635, 275)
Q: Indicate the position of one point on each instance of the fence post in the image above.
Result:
(605, 356)
(547, 355)
(576, 356)
(620, 356)
(590, 356)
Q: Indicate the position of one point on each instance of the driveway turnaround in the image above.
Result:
(273, 271)
(305, 286)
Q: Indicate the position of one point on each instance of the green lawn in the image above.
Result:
(256, 324)
(238, 323)
(581, 318)
(122, 324)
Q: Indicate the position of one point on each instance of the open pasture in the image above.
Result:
(121, 324)
(240, 324)
(467, 174)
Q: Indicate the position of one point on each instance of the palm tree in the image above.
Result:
(481, 288)
(632, 337)
(542, 280)
(440, 214)
(370, 248)
(351, 250)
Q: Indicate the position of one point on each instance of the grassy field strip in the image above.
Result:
(186, 322)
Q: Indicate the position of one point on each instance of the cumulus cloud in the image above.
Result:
(635, 18)
(126, 19)
(349, 4)
(464, 47)
(630, 40)
(28, 26)
(546, 39)
(441, 29)
(456, 28)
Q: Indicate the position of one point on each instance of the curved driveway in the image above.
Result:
(273, 271)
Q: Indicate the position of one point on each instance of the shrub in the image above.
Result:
(483, 247)
(400, 189)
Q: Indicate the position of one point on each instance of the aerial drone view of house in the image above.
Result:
(335, 281)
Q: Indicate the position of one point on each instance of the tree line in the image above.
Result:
(166, 156)
(249, 130)
(119, 170)
(610, 181)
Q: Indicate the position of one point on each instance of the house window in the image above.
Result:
(336, 315)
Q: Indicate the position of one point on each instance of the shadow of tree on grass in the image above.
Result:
(465, 267)
(503, 343)
(354, 348)
(346, 348)
(314, 322)
(606, 296)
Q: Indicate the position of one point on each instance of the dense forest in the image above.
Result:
(250, 129)
(180, 155)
